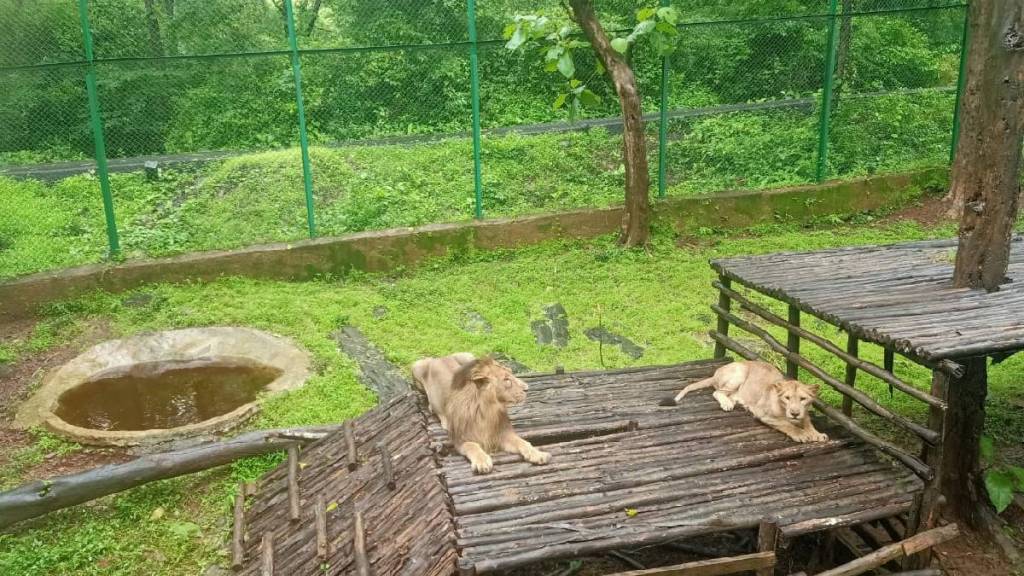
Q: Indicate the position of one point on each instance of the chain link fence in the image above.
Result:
(272, 120)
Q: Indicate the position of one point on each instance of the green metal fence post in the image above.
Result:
(96, 120)
(960, 81)
(663, 124)
(826, 93)
(474, 88)
(307, 171)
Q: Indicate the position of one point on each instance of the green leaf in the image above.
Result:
(575, 83)
(666, 29)
(643, 28)
(1018, 474)
(566, 66)
(518, 39)
(620, 45)
(332, 506)
(509, 30)
(588, 98)
(560, 101)
(988, 449)
(554, 53)
(999, 484)
(645, 13)
(599, 68)
(551, 66)
(669, 14)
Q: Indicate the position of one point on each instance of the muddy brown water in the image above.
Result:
(162, 395)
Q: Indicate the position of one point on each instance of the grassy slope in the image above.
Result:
(259, 197)
(658, 299)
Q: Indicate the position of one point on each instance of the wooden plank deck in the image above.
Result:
(686, 470)
(900, 296)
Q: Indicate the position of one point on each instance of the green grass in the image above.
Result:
(657, 298)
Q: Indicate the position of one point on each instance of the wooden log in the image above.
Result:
(723, 325)
(889, 364)
(387, 473)
(767, 540)
(793, 342)
(925, 514)
(852, 344)
(359, 546)
(910, 546)
(730, 344)
(293, 483)
(759, 561)
(849, 357)
(861, 398)
(42, 497)
(238, 530)
(350, 445)
(321, 528)
(268, 554)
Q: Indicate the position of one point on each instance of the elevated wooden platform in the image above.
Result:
(624, 471)
(900, 296)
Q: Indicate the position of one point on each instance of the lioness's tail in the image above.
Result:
(674, 400)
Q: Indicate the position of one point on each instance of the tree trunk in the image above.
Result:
(984, 189)
(156, 44)
(843, 51)
(311, 25)
(636, 220)
(965, 420)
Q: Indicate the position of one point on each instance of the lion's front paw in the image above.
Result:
(538, 457)
(818, 436)
(483, 465)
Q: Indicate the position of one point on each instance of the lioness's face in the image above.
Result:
(509, 389)
(795, 397)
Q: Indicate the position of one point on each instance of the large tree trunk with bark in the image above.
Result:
(984, 192)
(984, 189)
(636, 221)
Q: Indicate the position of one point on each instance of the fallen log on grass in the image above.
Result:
(45, 496)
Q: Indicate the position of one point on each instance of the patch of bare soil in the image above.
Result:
(973, 555)
(61, 465)
(928, 211)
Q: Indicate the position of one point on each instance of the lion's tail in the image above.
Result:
(674, 400)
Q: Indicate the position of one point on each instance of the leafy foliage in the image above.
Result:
(1002, 480)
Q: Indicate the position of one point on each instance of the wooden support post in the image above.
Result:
(238, 532)
(350, 445)
(793, 343)
(293, 483)
(723, 324)
(268, 554)
(385, 465)
(852, 345)
(359, 547)
(321, 528)
(925, 514)
(889, 364)
(767, 539)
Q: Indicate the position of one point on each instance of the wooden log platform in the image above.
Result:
(899, 296)
(624, 471)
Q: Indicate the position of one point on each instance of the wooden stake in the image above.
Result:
(350, 444)
(767, 539)
(716, 567)
(913, 545)
(268, 554)
(238, 533)
(385, 465)
(852, 344)
(293, 483)
(321, 528)
(359, 547)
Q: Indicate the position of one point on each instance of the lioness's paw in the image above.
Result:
(538, 457)
(484, 465)
(819, 437)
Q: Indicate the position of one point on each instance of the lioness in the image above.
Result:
(764, 392)
(471, 399)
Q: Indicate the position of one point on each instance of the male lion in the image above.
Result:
(764, 392)
(471, 398)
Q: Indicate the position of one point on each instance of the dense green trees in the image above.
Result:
(187, 104)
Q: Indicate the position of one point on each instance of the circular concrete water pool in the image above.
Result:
(157, 387)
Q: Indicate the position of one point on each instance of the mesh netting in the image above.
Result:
(207, 89)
